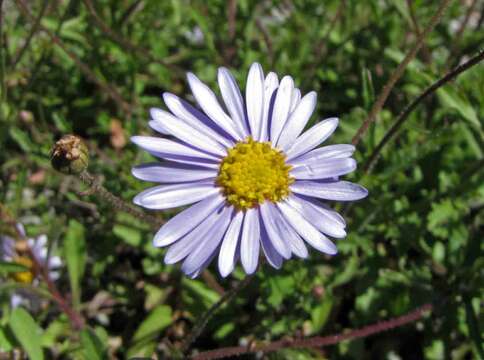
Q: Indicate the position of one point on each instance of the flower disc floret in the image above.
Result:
(252, 173)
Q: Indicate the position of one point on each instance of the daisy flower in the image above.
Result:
(10, 252)
(257, 180)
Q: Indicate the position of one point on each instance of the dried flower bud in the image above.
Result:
(70, 155)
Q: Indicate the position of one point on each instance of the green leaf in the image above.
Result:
(144, 339)
(128, 234)
(92, 347)
(320, 314)
(21, 138)
(27, 333)
(6, 343)
(75, 254)
(450, 98)
(7, 267)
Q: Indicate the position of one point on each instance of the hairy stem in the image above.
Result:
(317, 341)
(116, 202)
(397, 74)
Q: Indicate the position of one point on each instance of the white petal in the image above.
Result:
(170, 196)
(312, 138)
(208, 243)
(186, 133)
(337, 190)
(297, 121)
(274, 228)
(282, 106)
(295, 99)
(161, 146)
(317, 217)
(172, 172)
(307, 231)
(254, 95)
(271, 83)
(195, 118)
(226, 258)
(250, 242)
(325, 169)
(183, 247)
(210, 105)
(233, 99)
(338, 151)
(185, 221)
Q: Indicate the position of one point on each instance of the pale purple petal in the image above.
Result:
(295, 99)
(324, 169)
(282, 106)
(172, 172)
(250, 242)
(254, 95)
(317, 217)
(297, 121)
(7, 247)
(160, 147)
(272, 255)
(227, 258)
(187, 133)
(208, 243)
(196, 119)
(188, 160)
(307, 231)
(330, 213)
(185, 221)
(233, 100)
(183, 247)
(158, 127)
(338, 151)
(271, 83)
(312, 138)
(210, 105)
(337, 190)
(170, 196)
(275, 229)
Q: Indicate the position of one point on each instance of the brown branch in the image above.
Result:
(397, 74)
(204, 319)
(110, 90)
(317, 341)
(121, 40)
(410, 107)
(267, 39)
(425, 50)
(231, 18)
(33, 31)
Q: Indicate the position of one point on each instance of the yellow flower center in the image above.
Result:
(24, 277)
(252, 173)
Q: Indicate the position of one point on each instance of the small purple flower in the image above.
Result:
(39, 248)
(257, 179)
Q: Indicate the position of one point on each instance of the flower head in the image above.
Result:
(257, 179)
(15, 251)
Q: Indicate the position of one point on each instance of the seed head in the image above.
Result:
(70, 155)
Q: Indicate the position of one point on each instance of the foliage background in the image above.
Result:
(416, 239)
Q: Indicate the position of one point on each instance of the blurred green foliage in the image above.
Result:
(416, 239)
